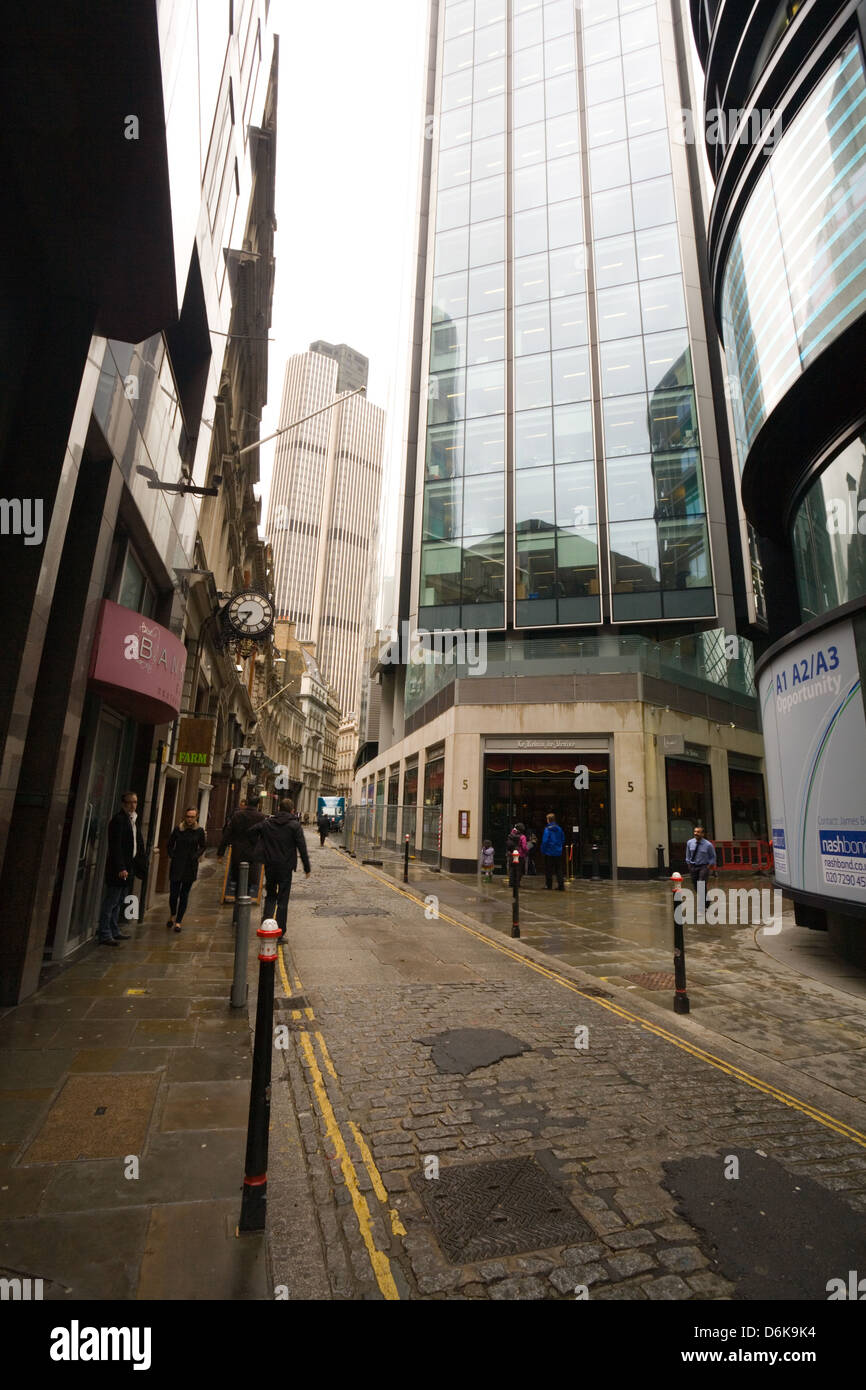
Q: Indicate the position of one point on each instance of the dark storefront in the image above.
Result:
(690, 803)
(525, 786)
(748, 804)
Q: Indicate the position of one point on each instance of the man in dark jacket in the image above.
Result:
(125, 861)
(323, 825)
(281, 837)
(237, 836)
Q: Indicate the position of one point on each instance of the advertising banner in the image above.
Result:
(815, 744)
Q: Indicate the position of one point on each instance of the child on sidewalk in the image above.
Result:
(487, 861)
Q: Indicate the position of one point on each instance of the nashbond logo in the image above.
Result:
(453, 646)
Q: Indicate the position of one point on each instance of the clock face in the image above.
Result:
(251, 613)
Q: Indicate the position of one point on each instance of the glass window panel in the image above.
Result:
(445, 451)
(536, 566)
(622, 367)
(668, 360)
(489, 11)
(457, 54)
(486, 338)
(673, 420)
(626, 430)
(488, 157)
(525, 6)
(483, 505)
(485, 445)
(486, 289)
(601, 41)
(445, 396)
(619, 312)
(485, 389)
(442, 511)
(572, 432)
(563, 179)
(528, 29)
(642, 70)
(561, 95)
(654, 203)
(645, 111)
(488, 198)
(575, 495)
(449, 297)
(685, 555)
(531, 328)
(559, 56)
(567, 270)
(634, 557)
(530, 232)
(440, 574)
(657, 252)
(457, 90)
(447, 345)
(532, 382)
(615, 262)
(606, 123)
(454, 166)
(562, 136)
(568, 321)
(489, 43)
(489, 79)
(533, 439)
(594, 11)
(530, 279)
(630, 488)
(533, 500)
(662, 304)
(604, 82)
(566, 223)
(639, 31)
(528, 104)
(528, 66)
(455, 128)
(452, 251)
(528, 145)
(530, 187)
(611, 212)
(577, 563)
(484, 571)
(558, 18)
(650, 155)
(452, 207)
(487, 242)
(571, 380)
(679, 485)
(488, 117)
(459, 19)
(608, 166)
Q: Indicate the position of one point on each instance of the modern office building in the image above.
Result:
(353, 367)
(323, 516)
(787, 254)
(569, 491)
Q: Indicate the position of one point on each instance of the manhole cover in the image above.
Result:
(652, 979)
(480, 1210)
(297, 1001)
(351, 912)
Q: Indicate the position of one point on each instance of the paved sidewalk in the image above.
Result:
(633, 1154)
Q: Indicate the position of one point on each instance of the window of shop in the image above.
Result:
(525, 786)
(690, 803)
(410, 786)
(434, 795)
(748, 807)
(134, 591)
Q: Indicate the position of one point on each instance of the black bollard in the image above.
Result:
(240, 988)
(681, 999)
(255, 1195)
(406, 861)
(660, 864)
(515, 893)
(596, 870)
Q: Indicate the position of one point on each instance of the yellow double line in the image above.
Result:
(379, 1261)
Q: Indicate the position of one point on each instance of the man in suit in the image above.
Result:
(125, 861)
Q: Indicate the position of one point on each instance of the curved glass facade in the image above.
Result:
(828, 537)
(796, 272)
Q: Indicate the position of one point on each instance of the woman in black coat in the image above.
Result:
(186, 845)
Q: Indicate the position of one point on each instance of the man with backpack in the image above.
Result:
(552, 846)
(281, 838)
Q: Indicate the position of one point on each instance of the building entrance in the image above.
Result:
(525, 786)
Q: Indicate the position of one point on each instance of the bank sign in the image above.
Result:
(815, 745)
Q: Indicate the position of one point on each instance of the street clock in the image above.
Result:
(250, 614)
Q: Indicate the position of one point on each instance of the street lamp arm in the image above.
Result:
(272, 697)
(268, 437)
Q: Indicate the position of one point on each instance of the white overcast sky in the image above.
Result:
(349, 136)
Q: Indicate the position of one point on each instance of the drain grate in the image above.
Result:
(479, 1210)
(351, 912)
(652, 979)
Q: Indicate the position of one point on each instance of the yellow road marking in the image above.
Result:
(828, 1121)
(376, 1179)
(326, 1056)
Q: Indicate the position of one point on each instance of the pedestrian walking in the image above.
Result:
(487, 860)
(126, 861)
(324, 825)
(516, 841)
(282, 840)
(553, 848)
(186, 845)
(700, 858)
(236, 836)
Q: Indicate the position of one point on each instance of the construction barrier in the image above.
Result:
(739, 856)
